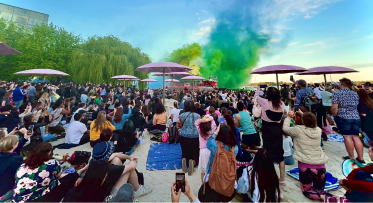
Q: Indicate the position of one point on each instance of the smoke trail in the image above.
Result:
(188, 55)
(234, 48)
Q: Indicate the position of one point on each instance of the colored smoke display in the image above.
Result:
(233, 50)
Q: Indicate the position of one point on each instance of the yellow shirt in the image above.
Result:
(160, 119)
(95, 134)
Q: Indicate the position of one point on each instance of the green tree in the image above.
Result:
(100, 58)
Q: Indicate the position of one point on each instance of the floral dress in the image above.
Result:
(34, 183)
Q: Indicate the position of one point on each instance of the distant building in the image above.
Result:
(22, 16)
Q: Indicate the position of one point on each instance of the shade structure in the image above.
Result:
(323, 70)
(172, 80)
(124, 77)
(193, 77)
(278, 69)
(163, 67)
(148, 80)
(173, 74)
(6, 50)
(42, 72)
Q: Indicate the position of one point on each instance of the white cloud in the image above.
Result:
(292, 43)
(275, 40)
(197, 14)
(313, 44)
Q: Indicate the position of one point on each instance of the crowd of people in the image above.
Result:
(218, 129)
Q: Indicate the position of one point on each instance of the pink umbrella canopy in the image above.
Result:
(166, 67)
(124, 77)
(174, 74)
(278, 69)
(172, 80)
(323, 70)
(193, 77)
(42, 72)
(6, 50)
(148, 80)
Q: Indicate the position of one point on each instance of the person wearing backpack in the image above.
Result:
(216, 186)
(302, 93)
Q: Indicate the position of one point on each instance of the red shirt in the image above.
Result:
(362, 186)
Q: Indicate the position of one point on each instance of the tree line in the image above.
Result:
(95, 59)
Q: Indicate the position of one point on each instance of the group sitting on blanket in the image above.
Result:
(210, 124)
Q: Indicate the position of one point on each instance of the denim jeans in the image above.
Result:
(17, 103)
(289, 160)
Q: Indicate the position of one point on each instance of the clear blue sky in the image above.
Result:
(307, 34)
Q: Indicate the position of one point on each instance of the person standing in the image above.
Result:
(344, 109)
(365, 109)
(272, 110)
(18, 95)
(31, 93)
(250, 137)
(317, 90)
(302, 93)
(2, 90)
(326, 96)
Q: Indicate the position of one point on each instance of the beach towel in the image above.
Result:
(349, 164)
(164, 156)
(335, 138)
(331, 181)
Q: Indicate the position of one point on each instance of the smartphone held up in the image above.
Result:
(180, 182)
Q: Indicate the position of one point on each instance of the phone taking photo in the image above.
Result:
(30, 129)
(180, 182)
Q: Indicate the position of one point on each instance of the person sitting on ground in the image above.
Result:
(138, 119)
(97, 126)
(358, 184)
(119, 174)
(175, 112)
(38, 178)
(307, 150)
(259, 180)
(77, 133)
(119, 118)
(10, 160)
(93, 187)
(56, 114)
(159, 118)
(127, 139)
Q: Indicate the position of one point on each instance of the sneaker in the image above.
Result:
(144, 190)
(360, 161)
(184, 167)
(191, 167)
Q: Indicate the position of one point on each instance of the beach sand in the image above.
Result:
(161, 181)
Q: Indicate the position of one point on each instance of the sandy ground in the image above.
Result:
(161, 181)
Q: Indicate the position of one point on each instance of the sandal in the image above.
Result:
(283, 186)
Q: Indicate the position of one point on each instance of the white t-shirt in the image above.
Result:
(75, 132)
(287, 144)
(317, 91)
(176, 113)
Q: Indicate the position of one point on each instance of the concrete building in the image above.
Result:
(22, 16)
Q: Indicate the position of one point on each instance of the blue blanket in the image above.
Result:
(331, 181)
(164, 156)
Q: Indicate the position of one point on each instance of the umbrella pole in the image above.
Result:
(172, 84)
(277, 80)
(164, 84)
(325, 78)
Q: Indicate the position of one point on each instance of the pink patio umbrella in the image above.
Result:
(6, 50)
(148, 80)
(323, 70)
(172, 74)
(278, 69)
(172, 80)
(125, 77)
(42, 72)
(193, 77)
(164, 67)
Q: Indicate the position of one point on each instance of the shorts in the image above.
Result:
(204, 156)
(328, 110)
(251, 139)
(348, 127)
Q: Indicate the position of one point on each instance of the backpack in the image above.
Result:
(311, 103)
(223, 171)
(173, 135)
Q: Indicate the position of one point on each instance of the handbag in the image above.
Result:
(257, 109)
(80, 157)
(180, 125)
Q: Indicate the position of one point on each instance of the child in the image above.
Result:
(206, 127)
(287, 144)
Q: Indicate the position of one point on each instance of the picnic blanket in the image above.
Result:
(164, 156)
(331, 181)
(335, 138)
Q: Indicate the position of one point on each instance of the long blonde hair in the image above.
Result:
(100, 121)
